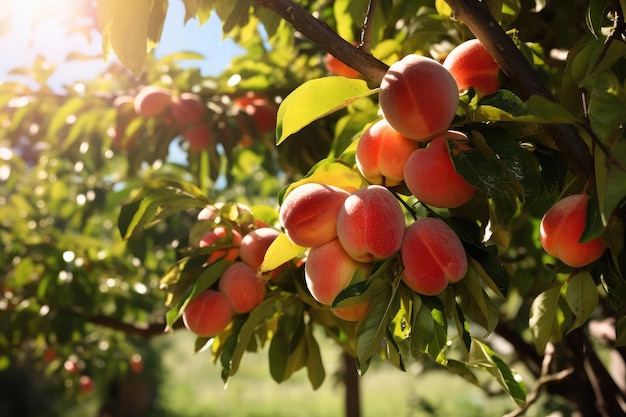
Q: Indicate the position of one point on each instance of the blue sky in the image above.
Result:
(27, 39)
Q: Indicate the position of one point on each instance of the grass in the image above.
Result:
(192, 387)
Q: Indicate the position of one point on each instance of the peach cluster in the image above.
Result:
(186, 110)
(239, 289)
(346, 232)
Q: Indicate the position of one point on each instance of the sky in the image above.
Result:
(36, 27)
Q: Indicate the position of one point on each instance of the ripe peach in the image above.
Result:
(432, 255)
(254, 245)
(309, 213)
(471, 65)
(262, 111)
(328, 270)
(124, 116)
(418, 97)
(86, 384)
(381, 154)
(370, 224)
(135, 362)
(49, 354)
(335, 66)
(152, 101)
(199, 137)
(561, 229)
(188, 108)
(220, 234)
(241, 286)
(431, 177)
(208, 313)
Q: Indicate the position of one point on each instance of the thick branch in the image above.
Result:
(320, 33)
(525, 80)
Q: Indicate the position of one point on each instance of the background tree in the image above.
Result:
(79, 162)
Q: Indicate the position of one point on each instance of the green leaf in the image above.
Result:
(129, 33)
(463, 328)
(314, 363)
(280, 251)
(596, 16)
(360, 292)
(607, 104)
(582, 296)
(315, 99)
(278, 355)
(438, 341)
(422, 326)
(543, 321)
(535, 110)
(373, 328)
(482, 356)
(610, 179)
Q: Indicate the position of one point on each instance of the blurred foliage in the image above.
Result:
(99, 204)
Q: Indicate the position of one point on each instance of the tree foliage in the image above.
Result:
(78, 166)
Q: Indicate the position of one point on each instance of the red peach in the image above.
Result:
(188, 108)
(328, 270)
(561, 229)
(432, 255)
(199, 137)
(309, 213)
(431, 177)
(262, 111)
(136, 363)
(471, 65)
(418, 97)
(86, 384)
(241, 286)
(381, 154)
(152, 101)
(220, 234)
(208, 313)
(335, 66)
(370, 224)
(254, 245)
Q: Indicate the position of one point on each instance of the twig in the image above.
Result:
(320, 33)
(525, 80)
(366, 30)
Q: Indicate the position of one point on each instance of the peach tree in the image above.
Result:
(407, 204)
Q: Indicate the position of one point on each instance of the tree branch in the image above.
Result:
(320, 33)
(525, 80)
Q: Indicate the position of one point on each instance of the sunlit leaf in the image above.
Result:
(280, 251)
(314, 363)
(535, 110)
(315, 99)
(483, 357)
(543, 321)
(582, 296)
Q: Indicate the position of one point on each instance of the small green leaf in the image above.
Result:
(278, 355)
(482, 356)
(315, 99)
(535, 110)
(543, 321)
(582, 296)
(314, 363)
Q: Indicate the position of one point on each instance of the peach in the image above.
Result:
(471, 65)
(370, 224)
(309, 213)
(86, 384)
(241, 286)
(418, 97)
(208, 313)
(431, 177)
(221, 235)
(254, 245)
(561, 229)
(432, 255)
(152, 101)
(262, 111)
(335, 66)
(381, 154)
(328, 271)
(188, 108)
(199, 137)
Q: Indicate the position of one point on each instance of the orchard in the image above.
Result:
(435, 184)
